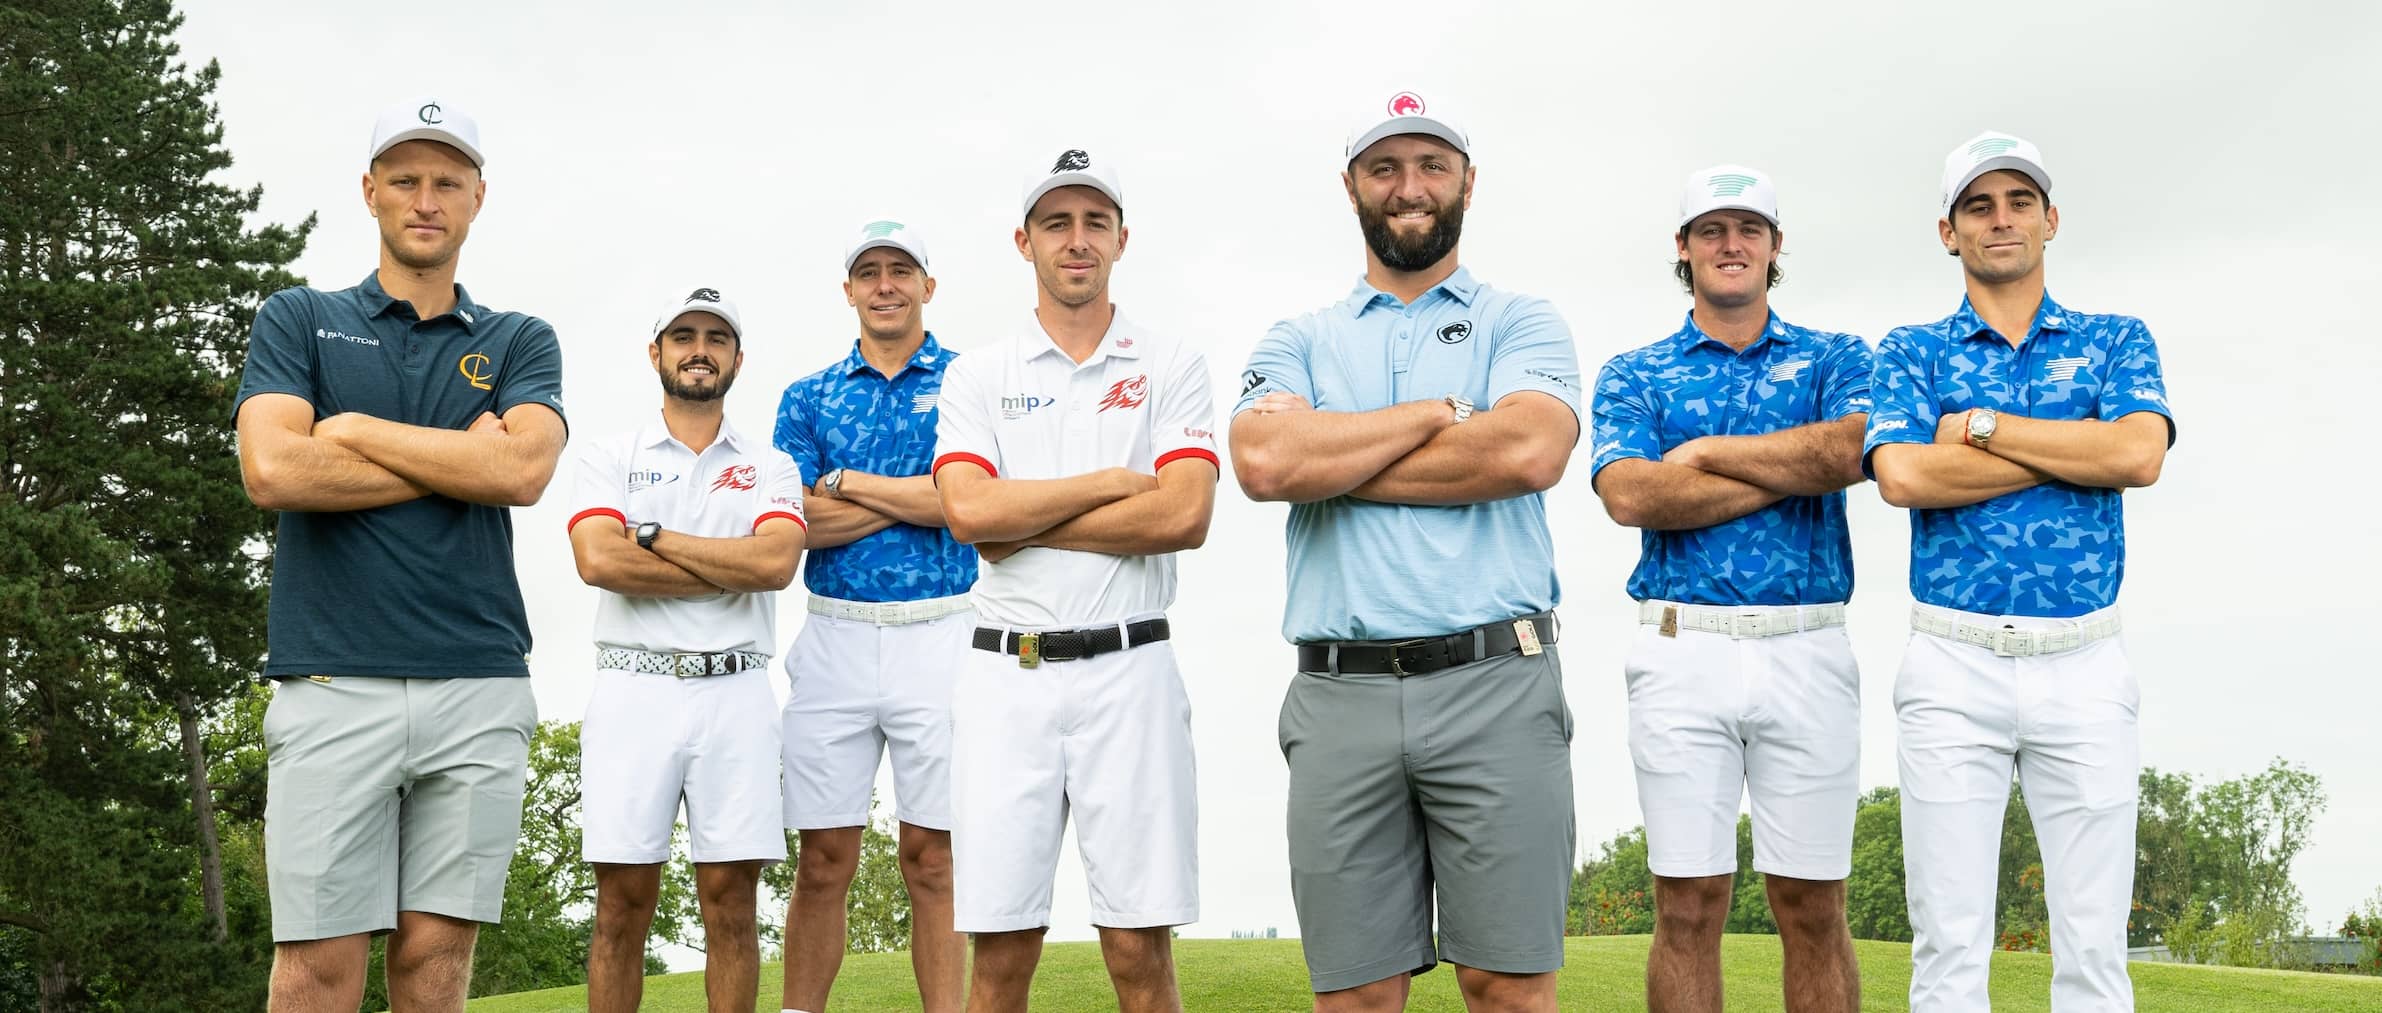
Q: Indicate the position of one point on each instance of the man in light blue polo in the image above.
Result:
(1413, 427)
(2010, 429)
(1730, 442)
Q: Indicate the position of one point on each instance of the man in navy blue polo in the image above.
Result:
(1730, 442)
(392, 424)
(2010, 428)
(1413, 427)
(889, 617)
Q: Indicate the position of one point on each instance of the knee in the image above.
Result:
(1692, 907)
(824, 867)
(1807, 908)
(926, 866)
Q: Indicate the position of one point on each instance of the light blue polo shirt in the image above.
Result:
(2053, 551)
(1361, 570)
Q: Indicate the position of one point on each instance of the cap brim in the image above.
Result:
(1058, 180)
(2023, 166)
(885, 243)
(1748, 208)
(431, 134)
(1409, 125)
(736, 327)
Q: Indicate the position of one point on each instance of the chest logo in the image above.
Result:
(2064, 370)
(736, 476)
(1786, 371)
(1455, 332)
(1022, 405)
(1127, 393)
(474, 368)
(643, 479)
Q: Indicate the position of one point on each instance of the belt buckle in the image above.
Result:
(2010, 643)
(1749, 624)
(1398, 668)
(1029, 650)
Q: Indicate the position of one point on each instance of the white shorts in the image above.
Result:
(860, 691)
(1109, 738)
(649, 741)
(1713, 718)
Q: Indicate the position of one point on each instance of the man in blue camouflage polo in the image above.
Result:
(1730, 442)
(2010, 429)
(889, 617)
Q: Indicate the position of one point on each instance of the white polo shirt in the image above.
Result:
(724, 492)
(1023, 409)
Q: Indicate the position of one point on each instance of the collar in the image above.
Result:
(378, 303)
(1966, 325)
(1123, 341)
(1691, 337)
(1460, 286)
(656, 433)
(929, 354)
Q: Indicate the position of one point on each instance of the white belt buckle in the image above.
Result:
(2009, 643)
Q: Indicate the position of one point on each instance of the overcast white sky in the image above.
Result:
(2208, 161)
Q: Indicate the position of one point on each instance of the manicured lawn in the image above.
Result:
(1602, 973)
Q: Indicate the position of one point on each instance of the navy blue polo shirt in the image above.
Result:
(424, 588)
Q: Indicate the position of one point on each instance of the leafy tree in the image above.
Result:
(1876, 906)
(131, 595)
(1613, 893)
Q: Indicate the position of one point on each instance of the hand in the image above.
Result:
(488, 422)
(994, 552)
(1128, 482)
(1952, 428)
(1691, 454)
(1280, 402)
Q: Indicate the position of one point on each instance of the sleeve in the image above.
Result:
(1845, 377)
(1624, 425)
(1278, 363)
(781, 492)
(534, 374)
(793, 436)
(1902, 392)
(1534, 352)
(2136, 381)
(963, 423)
(1183, 422)
(599, 486)
(280, 351)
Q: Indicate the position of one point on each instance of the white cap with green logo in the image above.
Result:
(1988, 152)
(888, 233)
(1728, 188)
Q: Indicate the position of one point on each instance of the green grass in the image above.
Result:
(1600, 973)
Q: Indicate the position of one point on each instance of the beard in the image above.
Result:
(675, 384)
(1410, 253)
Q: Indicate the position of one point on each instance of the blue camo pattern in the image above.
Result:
(1650, 400)
(2055, 550)
(850, 416)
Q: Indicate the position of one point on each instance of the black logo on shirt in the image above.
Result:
(1251, 380)
(1074, 160)
(704, 295)
(1455, 332)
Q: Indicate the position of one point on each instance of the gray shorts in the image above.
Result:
(1457, 782)
(384, 795)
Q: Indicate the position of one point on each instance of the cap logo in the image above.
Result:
(1732, 184)
(1406, 103)
(1073, 160)
(704, 295)
(430, 114)
(879, 230)
(1991, 146)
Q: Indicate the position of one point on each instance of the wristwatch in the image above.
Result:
(832, 483)
(1463, 407)
(1981, 423)
(645, 533)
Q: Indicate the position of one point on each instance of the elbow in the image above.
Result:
(2144, 471)
(961, 520)
(1260, 474)
(1624, 511)
(591, 569)
(1897, 489)
(781, 576)
(528, 490)
(1191, 533)
(262, 482)
(1538, 471)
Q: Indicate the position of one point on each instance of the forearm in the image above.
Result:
(1807, 460)
(1940, 476)
(1659, 496)
(619, 566)
(1014, 509)
(1305, 456)
(1171, 518)
(911, 500)
(306, 474)
(747, 564)
(839, 522)
(2121, 454)
(491, 468)
(1512, 450)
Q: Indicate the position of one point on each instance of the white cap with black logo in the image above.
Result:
(1076, 167)
(702, 300)
(1405, 112)
(1728, 188)
(426, 119)
(1988, 152)
(887, 233)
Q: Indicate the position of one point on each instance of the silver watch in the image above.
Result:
(833, 483)
(1462, 405)
(1981, 423)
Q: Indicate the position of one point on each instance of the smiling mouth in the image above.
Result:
(885, 307)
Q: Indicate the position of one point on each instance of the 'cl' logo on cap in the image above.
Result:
(704, 295)
(1406, 103)
(429, 113)
(1074, 160)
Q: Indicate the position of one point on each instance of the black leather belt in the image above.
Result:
(1427, 654)
(1033, 649)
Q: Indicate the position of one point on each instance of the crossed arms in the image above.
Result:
(1413, 453)
(868, 504)
(1113, 510)
(1711, 479)
(2123, 453)
(680, 565)
(349, 461)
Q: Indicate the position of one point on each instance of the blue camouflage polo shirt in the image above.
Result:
(850, 416)
(2055, 550)
(1797, 551)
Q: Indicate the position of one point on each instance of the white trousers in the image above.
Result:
(2067, 723)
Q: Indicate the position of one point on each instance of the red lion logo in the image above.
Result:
(1127, 393)
(1406, 103)
(736, 476)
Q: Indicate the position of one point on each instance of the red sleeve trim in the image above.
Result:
(796, 518)
(1202, 453)
(596, 512)
(955, 457)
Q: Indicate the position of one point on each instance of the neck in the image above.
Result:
(1077, 330)
(694, 423)
(1734, 326)
(889, 355)
(430, 290)
(1407, 286)
(2009, 306)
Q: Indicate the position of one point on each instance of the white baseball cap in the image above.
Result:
(1405, 112)
(887, 233)
(1728, 188)
(1988, 152)
(1075, 167)
(702, 300)
(426, 119)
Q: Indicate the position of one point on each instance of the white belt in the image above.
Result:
(891, 613)
(2006, 642)
(1741, 623)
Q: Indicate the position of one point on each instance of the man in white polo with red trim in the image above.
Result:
(1078, 458)
(687, 526)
